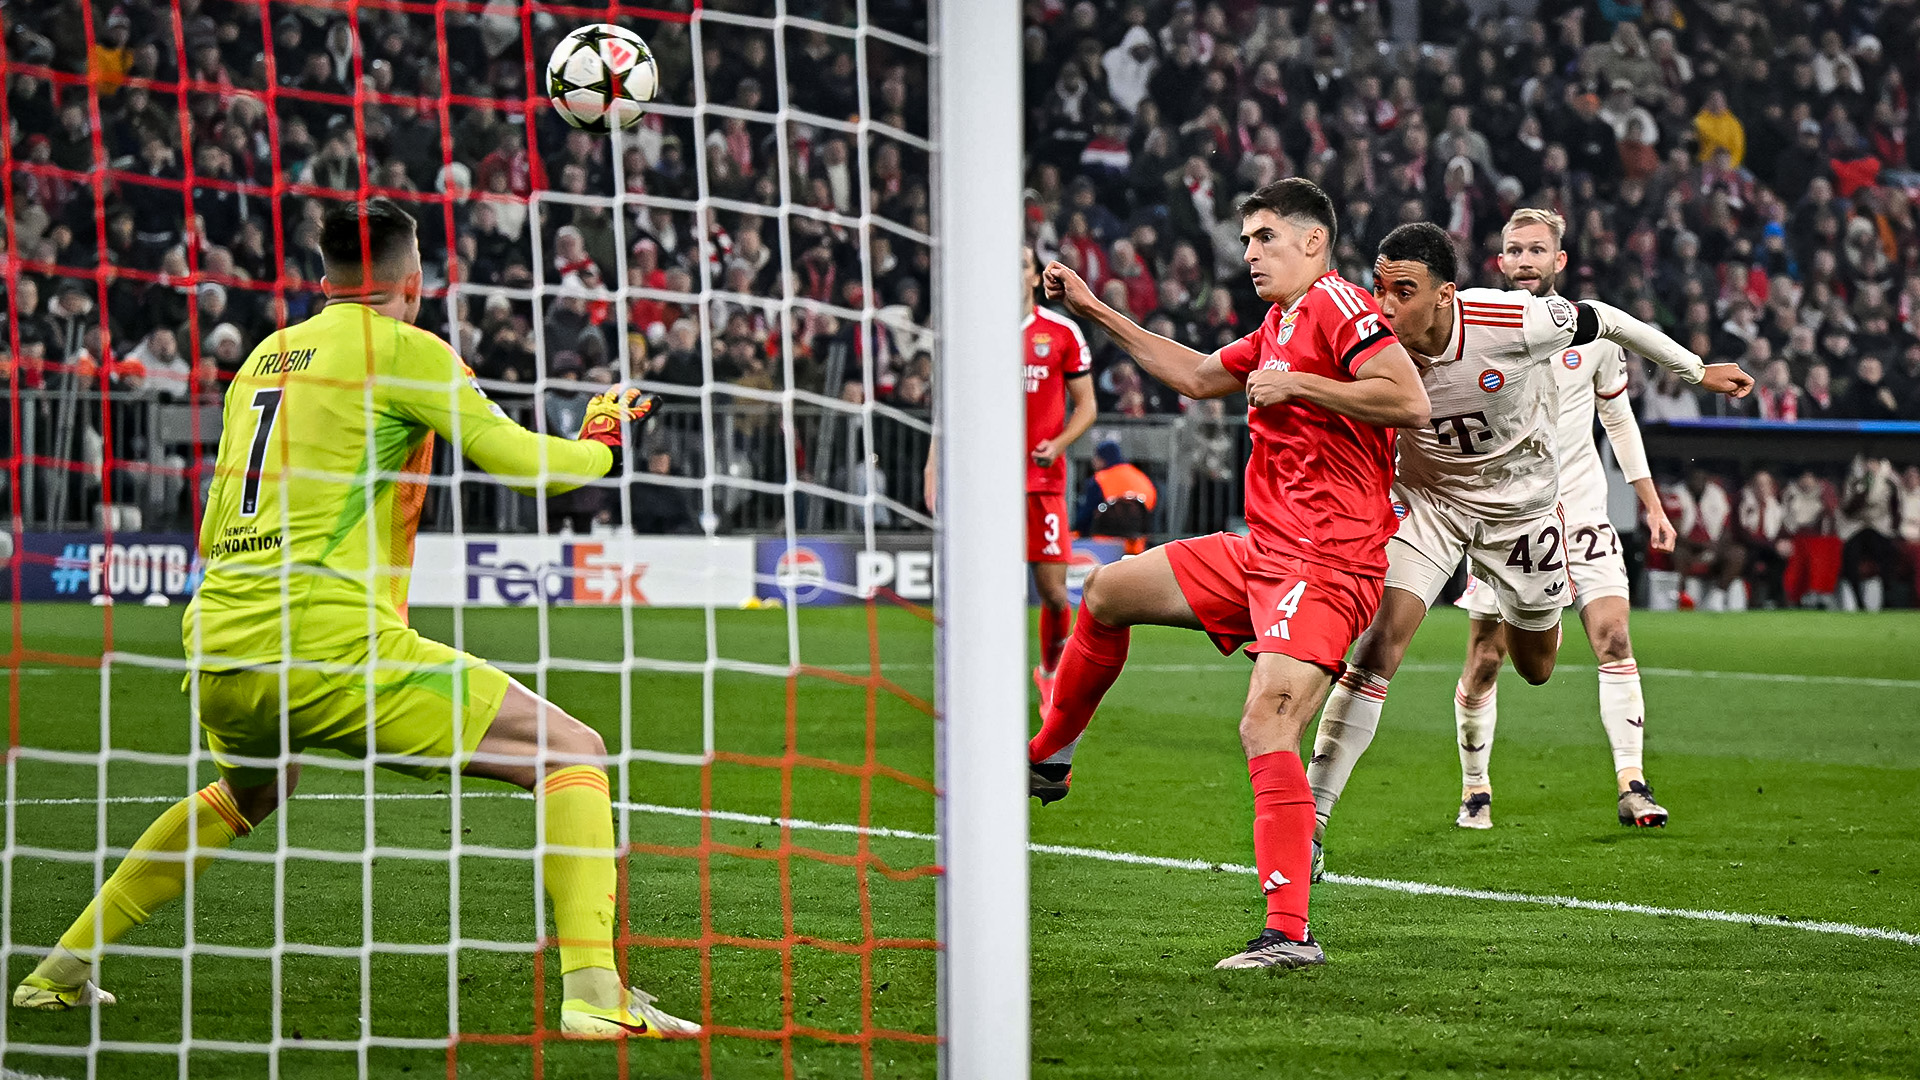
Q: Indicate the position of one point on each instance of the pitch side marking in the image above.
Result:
(1412, 888)
(1664, 672)
(1428, 669)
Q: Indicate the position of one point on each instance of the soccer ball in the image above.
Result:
(601, 77)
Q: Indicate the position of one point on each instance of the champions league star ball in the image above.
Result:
(601, 77)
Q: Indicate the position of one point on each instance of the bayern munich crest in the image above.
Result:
(1491, 380)
(1400, 511)
(1571, 358)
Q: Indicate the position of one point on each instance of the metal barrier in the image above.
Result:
(1196, 459)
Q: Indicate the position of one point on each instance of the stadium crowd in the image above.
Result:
(256, 169)
(1737, 171)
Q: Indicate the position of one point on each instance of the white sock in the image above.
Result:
(1737, 596)
(1473, 719)
(1347, 725)
(1623, 711)
(1716, 599)
(1873, 593)
(1663, 590)
(1064, 755)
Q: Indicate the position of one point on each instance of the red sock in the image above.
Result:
(1283, 838)
(1090, 662)
(1055, 624)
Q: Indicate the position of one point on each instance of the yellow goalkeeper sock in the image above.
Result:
(140, 884)
(580, 815)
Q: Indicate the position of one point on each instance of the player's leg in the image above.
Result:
(1142, 590)
(534, 744)
(1282, 697)
(1420, 560)
(1049, 548)
(1623, 708)
(1476, 710)
(1526, 563)
(155, 871)
(1056, 622)
(443, 706)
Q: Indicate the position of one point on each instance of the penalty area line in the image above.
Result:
(1128, 858)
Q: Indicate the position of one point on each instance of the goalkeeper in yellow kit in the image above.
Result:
(308, 541)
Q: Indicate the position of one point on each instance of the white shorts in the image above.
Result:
(1594, 565)
(1523, 564)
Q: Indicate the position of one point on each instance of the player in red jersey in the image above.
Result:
(1326, 384)
(1057, 365)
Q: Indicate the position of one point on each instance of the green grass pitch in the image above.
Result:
(1792, 797)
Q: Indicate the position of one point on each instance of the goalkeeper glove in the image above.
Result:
(607, 412)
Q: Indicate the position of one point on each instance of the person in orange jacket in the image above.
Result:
(1117, 502)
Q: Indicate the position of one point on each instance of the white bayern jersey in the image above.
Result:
(1585, 375)
(1489, 448)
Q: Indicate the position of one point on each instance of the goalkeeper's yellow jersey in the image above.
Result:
(317, 491)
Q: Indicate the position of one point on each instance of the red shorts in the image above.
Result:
(1290, 606)
(1047, 537)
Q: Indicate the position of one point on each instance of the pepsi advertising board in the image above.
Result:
(843, 570)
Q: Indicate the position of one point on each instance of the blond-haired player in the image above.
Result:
(1591, 378)
(1481, 480)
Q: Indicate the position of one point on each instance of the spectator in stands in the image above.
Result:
(1117, 501)
(660, 507)
(1709, 553)
(1875, 568)
(1667, 400)
(1869, 397)
(68, 317)
(1819, 402)
(165, 371)
(1717, 129)
(1776, 398)
(1904, 380)
(1910, 511)
(1763, 531)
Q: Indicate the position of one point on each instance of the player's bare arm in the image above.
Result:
(1187, 372)
(1386, 390)
(1085, 410)
(930, 475)
(1660, 534)
(1616, 416)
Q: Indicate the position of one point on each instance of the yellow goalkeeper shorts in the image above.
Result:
(416, 697)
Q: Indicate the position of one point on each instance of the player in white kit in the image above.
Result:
(1482, 480)
(1591, 378)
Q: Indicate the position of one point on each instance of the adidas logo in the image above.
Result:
(1472, 749)
(1274, 881)
(1279, 630)
(1639, 723)
(1554, 589)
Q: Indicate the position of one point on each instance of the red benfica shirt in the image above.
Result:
(1318, 483)
(1056, 352)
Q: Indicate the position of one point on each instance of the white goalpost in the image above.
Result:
(331, 830)
(983, 636)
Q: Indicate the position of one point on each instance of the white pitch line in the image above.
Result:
(1663, 672)
(1411, 888)
(1425, 669)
